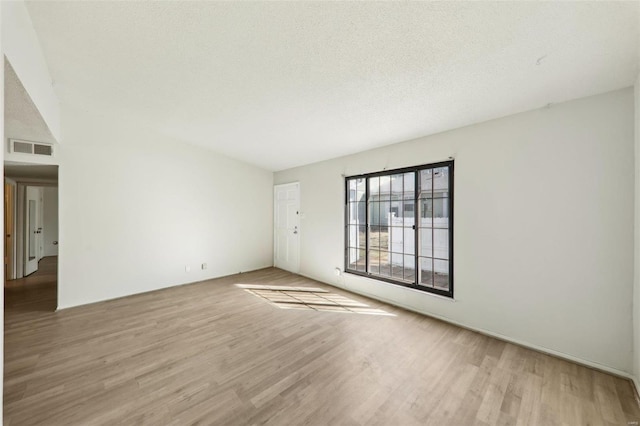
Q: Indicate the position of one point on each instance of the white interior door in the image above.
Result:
(287, 226)
(33, 229)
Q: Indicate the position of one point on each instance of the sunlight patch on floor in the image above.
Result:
(309, 299)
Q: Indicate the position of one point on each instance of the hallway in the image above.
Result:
(35, 293)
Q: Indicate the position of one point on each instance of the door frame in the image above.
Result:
(275, 228)
(11, 204)
(20, 226)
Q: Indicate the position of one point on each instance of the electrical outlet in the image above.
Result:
(187, 268)
(204, 266)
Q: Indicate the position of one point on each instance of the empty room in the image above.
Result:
(346, 213)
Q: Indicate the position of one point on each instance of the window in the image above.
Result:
(383, 239)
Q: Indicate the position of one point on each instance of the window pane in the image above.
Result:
(426, 210)
(356, 244)
(384, 239)
(353, 258)
(441, 275)
(351, 187)
(385, 188)
(426, 271)
(397, 259)
(426, 183)
(361, 208)
(385, 213)
(374, 185)
(353, 213)
(385, 265)
(441, 211)
(397, 187)
(440, 181)
(360, 189)
(361, 265)
(441, 243)
(395, 211)
(409, 185)
(409, 268)
(409, 241)
(408, 208)
(426, 235)
(374, 214)
(374, 261)
(353, 208)
(397, 264)
(352, 236)
(397, 239)
(362, 231)
(374, 237)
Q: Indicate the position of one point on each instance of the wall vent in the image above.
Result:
(28, 147)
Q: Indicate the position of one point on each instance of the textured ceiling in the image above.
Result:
(21, 117)
(285, 84)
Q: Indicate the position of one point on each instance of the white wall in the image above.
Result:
(543, 226)
(136, 208)
(50, 220)
(21, 47)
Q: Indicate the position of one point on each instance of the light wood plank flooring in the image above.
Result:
(214, 353)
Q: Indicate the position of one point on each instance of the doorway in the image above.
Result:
(286, 205)
(31, 236)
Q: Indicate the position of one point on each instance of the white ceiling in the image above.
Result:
(285, 84)
(21, 117)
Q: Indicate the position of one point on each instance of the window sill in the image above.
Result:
(402, 286)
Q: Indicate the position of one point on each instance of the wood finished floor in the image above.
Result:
(212, 353)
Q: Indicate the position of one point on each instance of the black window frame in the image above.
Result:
(416, 169)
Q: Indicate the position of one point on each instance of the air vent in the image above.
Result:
(42, 149)
(28, 147)
(23, 147)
